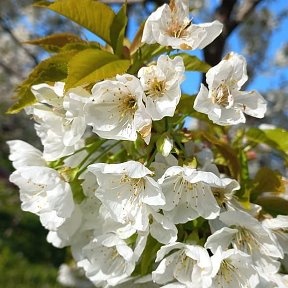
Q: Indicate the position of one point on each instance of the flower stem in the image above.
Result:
(98, 157)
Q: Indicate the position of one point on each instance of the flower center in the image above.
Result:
(184, 264)
(245, 240)
(221, 197)
(220, 95)
(157, 88)
(137, 184)
(228, 271)
(178, 30)
(128, 106)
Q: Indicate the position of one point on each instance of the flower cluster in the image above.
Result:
(130, 214)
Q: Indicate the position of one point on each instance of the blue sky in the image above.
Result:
(263, 81)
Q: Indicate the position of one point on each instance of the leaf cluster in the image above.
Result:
(79, 62)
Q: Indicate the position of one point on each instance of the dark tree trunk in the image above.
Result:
(230, 19)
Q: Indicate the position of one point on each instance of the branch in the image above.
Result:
(223, 14)
(243, 13)
(10, 71)
(7, 29)
(213, 53)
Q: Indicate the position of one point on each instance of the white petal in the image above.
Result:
(24, 154)
(162, 229)
(213, 30)
(223, 116)
(202, 103)
(52, 95)
(165, 270)
(251, 103)
(221, 238)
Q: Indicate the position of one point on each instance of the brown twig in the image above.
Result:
(213, 53)
(7, 29)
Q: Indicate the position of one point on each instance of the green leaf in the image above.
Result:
(77, 190)
(92, 15)
(244, 192)
(244, 166)
(145, 54)
(149, 255)
(274, 205)
(228, 153)
(136, 43)
(117, 31)
(50, 70)
(70, 176)
(275, 138)
(80, 46)
(54, 43)
(267, 180)
(92, 65)
(279, 136)
(193, 63)
(185, 107)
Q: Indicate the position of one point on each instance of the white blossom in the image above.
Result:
(162, 229)
(170, 25)
(116, 109)
(189, 266)
(127, 191)
(224, 103)
(63, 235)
(85, 216)
(279, 227)
(191, 193)
(167, 146)
(60, 118)
(23, 154)
(51, 95)
(161, 83)
(224, 195)
(245, 233)
(43, 190)
(162, 163)
(136, 282)
(107, 259)
(50, 130)
(233, 268)
(74, 122)
(277, 280)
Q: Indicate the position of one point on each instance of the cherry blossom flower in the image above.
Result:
(127, 191)
(116, 110)
(161, 83)
(43, 190)
(279, 227)
(248, 235)
(23, 154)
(191, 193)
(48, 94)
(233, 268)
(188, 266)
(224, 103)
(60, 118)
(108, 260)
(63, 235)
(170, 25)
(47, 195)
